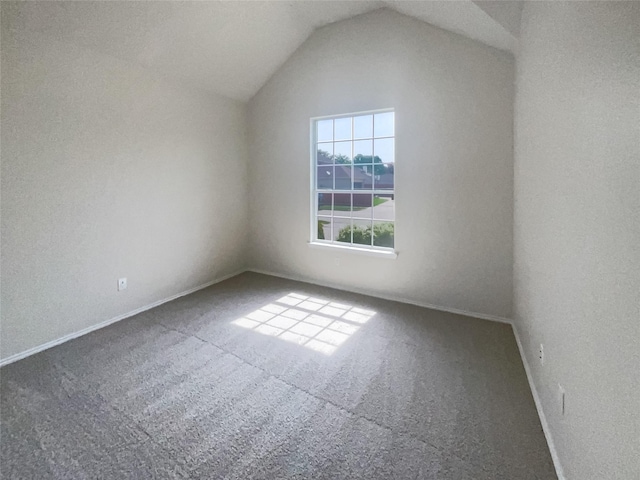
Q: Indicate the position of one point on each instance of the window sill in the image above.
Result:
(389, 254)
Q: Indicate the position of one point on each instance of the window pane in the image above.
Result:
(362, 151)
(324, 153)
(362, 178)
(383, 207)
(342, 229)
(383, 149)
(383, 234)
(325, 130)
(385, 180)
(363, 126)
(325, 203)
(342, 205)
(324, 228)
(383, 124)
(362, 232)
(354, 158)
(362, 205)
(342, 152)
(343, 177)
(324, 177)
(343, 128)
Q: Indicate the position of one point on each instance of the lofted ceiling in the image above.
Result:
(233, 47)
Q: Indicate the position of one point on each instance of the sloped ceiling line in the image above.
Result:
(232, 48)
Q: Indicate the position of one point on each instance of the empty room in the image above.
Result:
(318, 239)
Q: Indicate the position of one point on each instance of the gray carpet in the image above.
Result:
(252, 379)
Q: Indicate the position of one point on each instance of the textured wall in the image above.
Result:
(506, 12)
(453, 100)
(109, 172)
(577, 227)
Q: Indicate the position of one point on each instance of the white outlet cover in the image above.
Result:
(541, 354)
(122, 284)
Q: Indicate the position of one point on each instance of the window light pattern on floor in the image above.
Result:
(321, 325)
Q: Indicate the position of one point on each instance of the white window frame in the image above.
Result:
(388, 252)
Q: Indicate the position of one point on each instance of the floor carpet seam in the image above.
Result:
(321, 399)
(144, 396)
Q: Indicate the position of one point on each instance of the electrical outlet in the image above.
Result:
(541, 354)
(122, 284)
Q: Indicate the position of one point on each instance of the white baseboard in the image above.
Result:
(393, 298)
(84, 331)
(541, 415)
(483, 316)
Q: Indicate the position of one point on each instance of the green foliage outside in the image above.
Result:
(379, 201)
(379, 167)
(321, 224)
(382, 235)
(346, 208)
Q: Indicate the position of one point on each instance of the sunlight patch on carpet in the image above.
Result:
(315, 323)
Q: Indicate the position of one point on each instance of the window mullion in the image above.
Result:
(339, 170)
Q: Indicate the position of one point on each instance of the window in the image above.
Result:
(353, 163)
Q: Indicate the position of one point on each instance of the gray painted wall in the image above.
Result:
(109, 171)
(453, 99)
(507, 13)
(577, 227)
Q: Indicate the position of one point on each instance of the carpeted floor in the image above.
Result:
(259, 377)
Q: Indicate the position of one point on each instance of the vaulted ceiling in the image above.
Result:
(233, 48)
